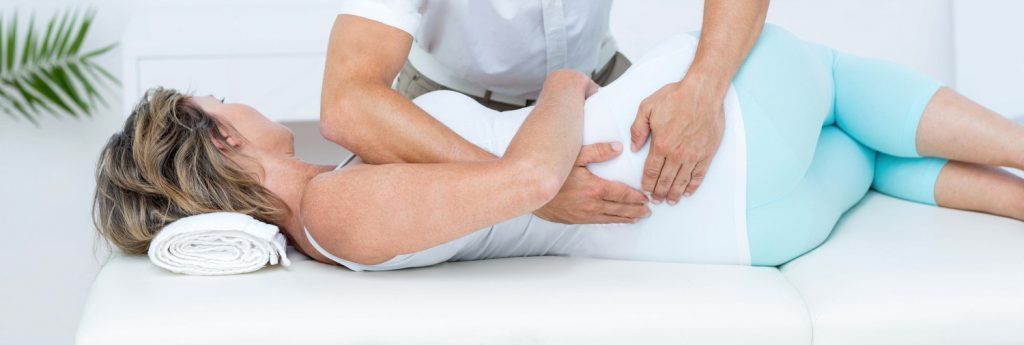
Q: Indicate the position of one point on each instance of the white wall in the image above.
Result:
(45, 195)
(915, 33)
(990, 57)
(46, 172)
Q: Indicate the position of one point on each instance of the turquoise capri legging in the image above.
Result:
(822, 127)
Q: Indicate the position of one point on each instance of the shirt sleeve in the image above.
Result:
(402, 14)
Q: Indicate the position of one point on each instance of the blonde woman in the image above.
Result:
(807, 131)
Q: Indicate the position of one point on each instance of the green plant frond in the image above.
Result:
(47, 71)
(103, 72)
(45, 47)
(12, 39)
(3, 50)
(76, 44)
(90, 90)
(62, 78)
(99, 51)
(67, 24)
(30, 33)
(52, 89)
(7, 101)
(3, 33)
(26, 101)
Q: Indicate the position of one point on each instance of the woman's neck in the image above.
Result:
(287, 177)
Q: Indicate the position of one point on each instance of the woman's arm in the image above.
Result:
(370, 213)
(361, 112)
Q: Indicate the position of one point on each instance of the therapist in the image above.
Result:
(499, 52)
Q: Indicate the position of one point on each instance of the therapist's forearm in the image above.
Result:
(382, 126)
(729, 32)
(361, 112)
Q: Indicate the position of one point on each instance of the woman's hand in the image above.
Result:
(586, 198)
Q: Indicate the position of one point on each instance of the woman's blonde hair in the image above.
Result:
(164, 166)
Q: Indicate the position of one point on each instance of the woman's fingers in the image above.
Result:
(628, 195)
(610, 219)
(621, 193)
(621, 200)
(599, 152)
(628, 211)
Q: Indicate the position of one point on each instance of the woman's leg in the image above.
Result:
(982, 188)
(904, 115)
(951, 184)
(786, 92)
(957, 128)
(787, 84)
(803, 172)
(839, 175)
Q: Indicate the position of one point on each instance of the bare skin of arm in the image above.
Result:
(685, 120)
(361, 112)
(440, 202)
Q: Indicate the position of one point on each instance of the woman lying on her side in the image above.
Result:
(808, 131)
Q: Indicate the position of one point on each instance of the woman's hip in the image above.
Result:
(786, 90)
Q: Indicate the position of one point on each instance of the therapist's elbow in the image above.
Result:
(332, 129)
(339, 120)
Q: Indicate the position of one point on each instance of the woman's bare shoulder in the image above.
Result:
(332, 211)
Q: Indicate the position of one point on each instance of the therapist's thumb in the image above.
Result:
(640, 129)
(600, 152)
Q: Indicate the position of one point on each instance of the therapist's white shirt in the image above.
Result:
(506, 46)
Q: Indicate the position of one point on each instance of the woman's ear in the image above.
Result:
(229, 139)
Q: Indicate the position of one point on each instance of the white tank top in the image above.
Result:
(708, 227)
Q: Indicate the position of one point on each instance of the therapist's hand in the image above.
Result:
(686, 123)
(588, 199)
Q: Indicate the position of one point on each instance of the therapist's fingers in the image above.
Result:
(652, 171)
(641, 127)
(697, 178)
(669, 171)
(684, 179)
(599, 152)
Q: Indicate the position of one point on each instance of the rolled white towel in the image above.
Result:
(218, 243)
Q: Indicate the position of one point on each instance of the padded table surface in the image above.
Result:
(893, 272)
(538, 300)
(896, 272)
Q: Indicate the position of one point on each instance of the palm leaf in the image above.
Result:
(48, 72)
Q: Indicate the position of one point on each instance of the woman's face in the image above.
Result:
(256, 130)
